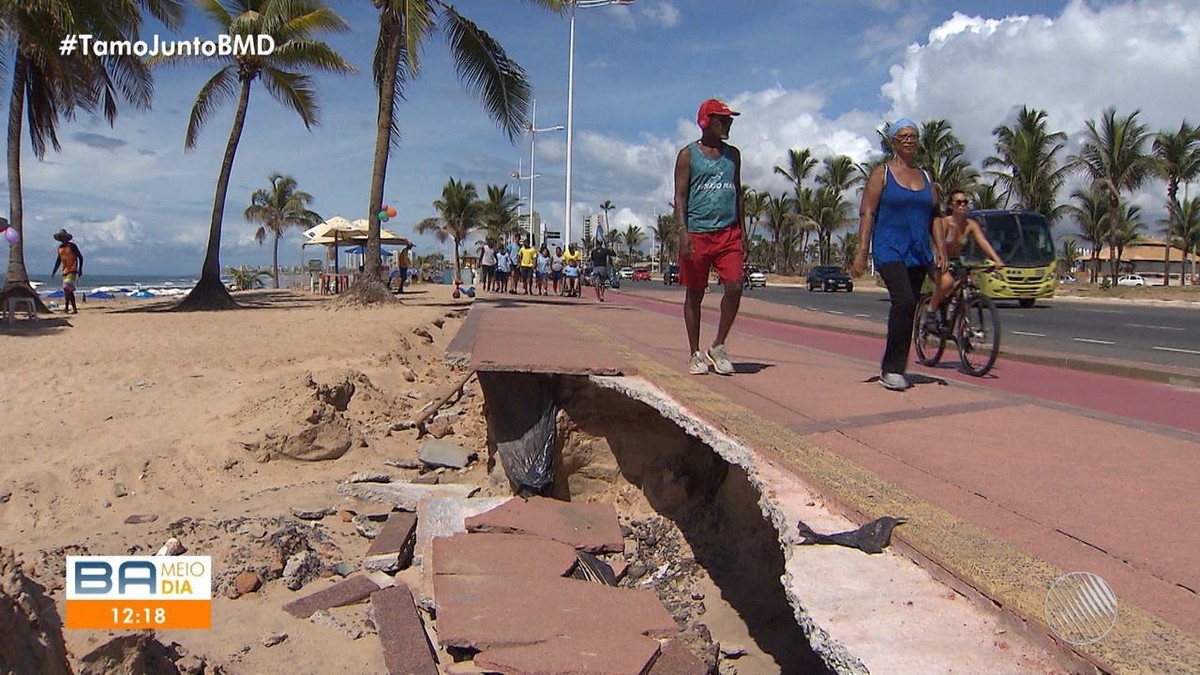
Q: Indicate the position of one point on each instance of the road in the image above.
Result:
(1158, 334)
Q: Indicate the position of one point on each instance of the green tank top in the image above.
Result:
(712, 194)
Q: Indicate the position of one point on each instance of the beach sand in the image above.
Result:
(125, 409)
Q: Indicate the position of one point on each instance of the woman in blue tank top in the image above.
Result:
(896, 227)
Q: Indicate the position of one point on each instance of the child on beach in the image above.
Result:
(71, 260)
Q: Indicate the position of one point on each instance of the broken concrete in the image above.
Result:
(404, 496)
(443, 517)
(587, 527)
(345, 592)
(398, 537)
(600, 654)
(436, 452)
(401, 633)
(675, 659)
(490, 611)
(483, 553)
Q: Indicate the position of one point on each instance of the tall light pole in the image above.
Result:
(533, 132)
(586, 4)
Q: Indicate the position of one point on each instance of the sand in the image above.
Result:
(126, 409)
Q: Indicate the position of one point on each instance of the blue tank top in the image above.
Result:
(903, 223)
(712, 194)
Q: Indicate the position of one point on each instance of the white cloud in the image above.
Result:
(661, 12)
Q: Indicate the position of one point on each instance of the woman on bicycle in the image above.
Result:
(956, 228)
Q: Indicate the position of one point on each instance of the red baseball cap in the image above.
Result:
(714, 106)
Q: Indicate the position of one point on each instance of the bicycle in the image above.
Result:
(968, 317)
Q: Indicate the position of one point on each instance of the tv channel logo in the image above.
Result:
(139, 592)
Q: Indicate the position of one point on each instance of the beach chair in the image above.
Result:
(12, 304)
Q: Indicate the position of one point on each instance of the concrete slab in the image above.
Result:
(398, 536)
(443, 517)
(587, 527)
(401, 633)
(484, 553)
(345, 592)
(675, 659)
(490, 611)
(404, 496)
(583, 655)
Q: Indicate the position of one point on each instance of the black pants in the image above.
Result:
(904, 289)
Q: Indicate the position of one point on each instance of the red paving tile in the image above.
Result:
(491, 611)
(583, 655)
(1086, 471)
(587, 527)
(484, 553)
(345, 592)
(402, 636)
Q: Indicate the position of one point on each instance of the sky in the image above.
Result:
(822, 74)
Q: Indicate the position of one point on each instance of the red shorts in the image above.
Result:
(721, 249)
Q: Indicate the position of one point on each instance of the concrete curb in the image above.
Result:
(1179, 377)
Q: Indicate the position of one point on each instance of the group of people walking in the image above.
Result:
(518, 267)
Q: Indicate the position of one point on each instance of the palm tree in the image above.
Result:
(1178, 155)
(499, 213)
(633, 237)
(276, 209)
(1027, 164)
(754, 204)
(666, 233)
(831, 209)
(800, 165)
(1113, 158)
(292, 24)
(606, 207)
(48, 87)
(1188, 231)
(781, 223)
(482, 66)
(460, 211)
(987, 196)
(944, 156)
(1090, 212)
(1128, 226)
(1068, 255)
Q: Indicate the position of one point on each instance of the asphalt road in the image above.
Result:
(1146, 333)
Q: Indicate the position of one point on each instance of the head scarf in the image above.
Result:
(902, 123)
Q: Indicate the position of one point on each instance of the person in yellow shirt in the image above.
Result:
(571, 260)
(528, 257)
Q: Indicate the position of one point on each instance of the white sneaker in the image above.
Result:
(697, 365)
(893, 381)
(719, 359)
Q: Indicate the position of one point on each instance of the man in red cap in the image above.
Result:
(708, 210)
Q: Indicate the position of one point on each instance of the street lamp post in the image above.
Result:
(533, 132)
(586, 4)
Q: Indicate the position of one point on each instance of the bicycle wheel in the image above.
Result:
(929, 344)
(978, 335)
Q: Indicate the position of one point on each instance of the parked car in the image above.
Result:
(1131, 280)
(753, 276)
(829, 278)
(625, 272)
(641, 274)
(671, 274)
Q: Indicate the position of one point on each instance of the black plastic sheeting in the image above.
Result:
(521, 413)
(870, 538)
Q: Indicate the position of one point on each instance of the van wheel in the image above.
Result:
(1027, 302)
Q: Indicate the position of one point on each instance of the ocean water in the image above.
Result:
(119, 284)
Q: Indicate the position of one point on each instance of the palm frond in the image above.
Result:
(486, 71)
(219, 89)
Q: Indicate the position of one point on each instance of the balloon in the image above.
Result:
(391, 211)
(11, 235)
(383, 216)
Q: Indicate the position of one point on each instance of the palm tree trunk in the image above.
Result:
(1172, 218)
(17, 278)
(457, 264)
(209, 292)
(275, 261)
(372, 270)
(1114, 206)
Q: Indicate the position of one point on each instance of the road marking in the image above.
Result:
(1142, 325)
(1021, 332)
(863, 316)
(834, 311)
(1094, 342)
(1102, 311)
(1176, 349)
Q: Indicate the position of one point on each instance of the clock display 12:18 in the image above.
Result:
(142, 616)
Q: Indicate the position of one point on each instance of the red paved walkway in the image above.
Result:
(1084, 471)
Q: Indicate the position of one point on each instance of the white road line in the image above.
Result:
(834, 311)
(1142, 325)
(1021, 332)
(863, 316)
(1174, 349)
(1094, 342)
(1101, 311)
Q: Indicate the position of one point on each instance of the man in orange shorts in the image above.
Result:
(708, 210)
(72, 268)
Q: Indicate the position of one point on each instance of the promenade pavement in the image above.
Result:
(1007, 482)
